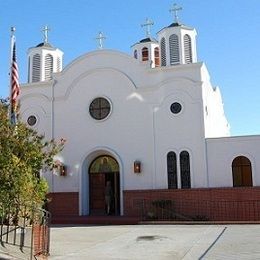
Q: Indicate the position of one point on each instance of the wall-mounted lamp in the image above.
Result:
(63, 170)
(60, 168)
(137, 167)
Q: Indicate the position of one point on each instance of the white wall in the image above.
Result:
(216, 124)
(140, 126)
(222, 151)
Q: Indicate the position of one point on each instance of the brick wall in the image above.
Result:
(217, 204)
(63, 203)
(41, 241)
(234, 204)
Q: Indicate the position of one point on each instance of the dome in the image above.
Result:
(174, 25)
(181, 25)
(148, 39)
(44, 44)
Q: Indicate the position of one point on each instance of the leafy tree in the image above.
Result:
(23, 154)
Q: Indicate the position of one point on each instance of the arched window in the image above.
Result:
(48, 66)
(163, 52)
(135, 54)
(172, 170)
(185, 169)
(156, 57)
(187, 49)
(242, 172)
(36, 68)
(145, 54)
(104, 164)
(174, 49)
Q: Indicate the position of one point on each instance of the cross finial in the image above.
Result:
(45, 31)
(175, 10)
(148, 23)
(100, 38)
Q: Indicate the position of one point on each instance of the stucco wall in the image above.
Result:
(222, 151)
(140, 126)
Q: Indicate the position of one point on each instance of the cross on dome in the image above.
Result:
(175, 10)
(45, 31)
(100, 38)
(148, 25)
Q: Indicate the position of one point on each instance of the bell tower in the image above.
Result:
(43, 60)
(147, 50)
(177, 42)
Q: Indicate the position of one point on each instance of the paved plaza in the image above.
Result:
(155, 242)
(158, 242)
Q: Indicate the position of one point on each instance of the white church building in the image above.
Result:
(149, 121)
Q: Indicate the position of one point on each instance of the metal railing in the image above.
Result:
(24, 230)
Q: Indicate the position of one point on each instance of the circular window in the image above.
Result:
(99, 108)
(176, 108)
(31, 120)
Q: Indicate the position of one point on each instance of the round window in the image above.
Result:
(176, 108)
(99, 108)
(31, 120)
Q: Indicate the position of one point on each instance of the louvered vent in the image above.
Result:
(36, 68)
(187, 49)
(29, 69)
(58, 64)
(163, 52)
(174, 49)
(48, 67)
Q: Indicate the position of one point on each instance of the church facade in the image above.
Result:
(150, 121)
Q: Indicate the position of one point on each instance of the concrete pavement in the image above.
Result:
(156, 242)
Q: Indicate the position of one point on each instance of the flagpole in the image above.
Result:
(14, 81)
(10, 73)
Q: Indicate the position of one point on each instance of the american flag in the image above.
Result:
(15, 88)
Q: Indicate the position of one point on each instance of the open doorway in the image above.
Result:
(102, 170)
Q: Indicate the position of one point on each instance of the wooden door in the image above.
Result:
(97, 197)
(117, 193)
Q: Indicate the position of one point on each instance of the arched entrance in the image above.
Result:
(102, 170)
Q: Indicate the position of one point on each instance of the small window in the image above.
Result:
(31, 120)
(145, 54)
(99, 108)
(176, 108)
(156, 57)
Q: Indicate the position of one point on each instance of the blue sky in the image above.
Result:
(228, 40)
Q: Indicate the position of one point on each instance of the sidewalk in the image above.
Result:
(6, 253)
